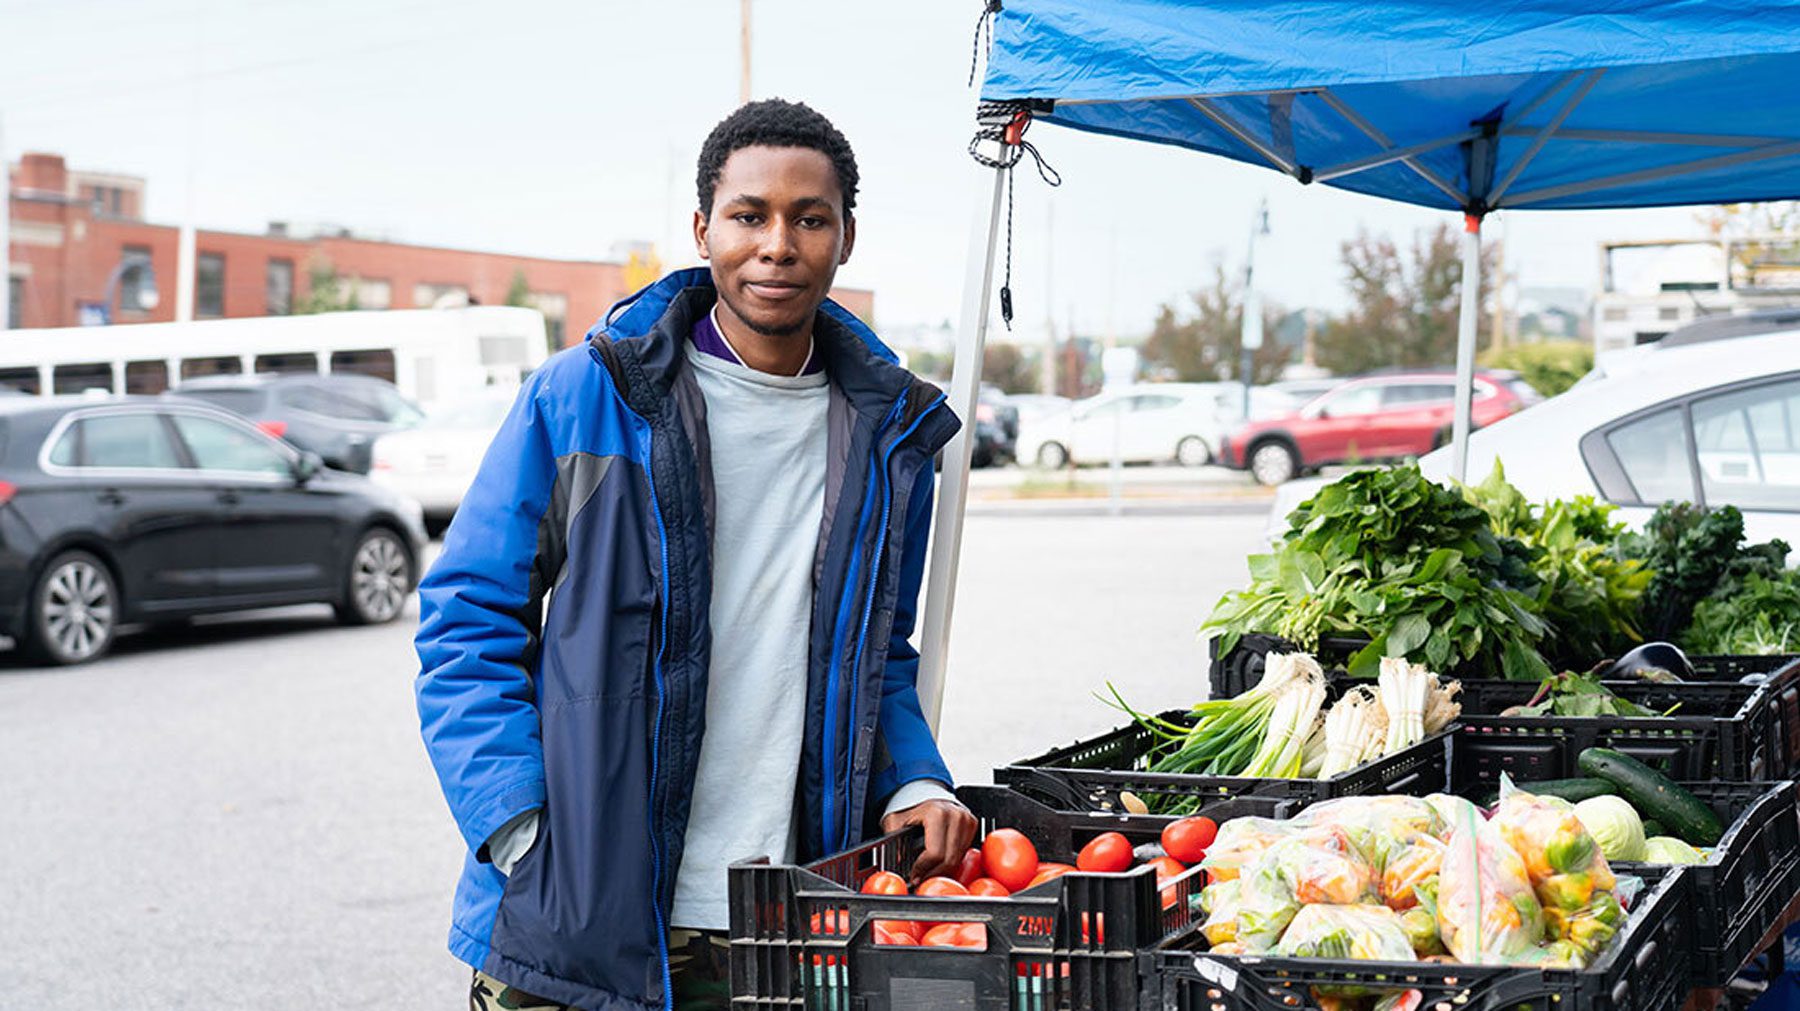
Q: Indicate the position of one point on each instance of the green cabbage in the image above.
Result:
(1664, 849)
(1615, 825)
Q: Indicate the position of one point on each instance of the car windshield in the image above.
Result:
(484, 413)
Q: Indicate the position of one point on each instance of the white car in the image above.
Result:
(436, 461)
(1716, 423)
(1150, 422)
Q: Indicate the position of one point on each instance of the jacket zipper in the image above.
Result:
(887, 503)
(656, 669)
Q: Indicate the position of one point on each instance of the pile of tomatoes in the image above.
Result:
(1007, 862)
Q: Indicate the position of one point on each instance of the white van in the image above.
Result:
(433, 355)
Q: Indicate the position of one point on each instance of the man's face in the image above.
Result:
(776, 236)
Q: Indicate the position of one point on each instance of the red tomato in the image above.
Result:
(1010, 858)
(884, 883)
(1093, 931)
(1048, 872)
(835, 921)
(1186, 840)
(941, 887)
(989, 888)
(971, 868)
(1166, 869)
(956, 935)
(883, 935)
(1107, 853)
(910, 928)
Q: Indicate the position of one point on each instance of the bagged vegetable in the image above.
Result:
(1421, 927)
(1318, 865)
(1240, 841)
(1419, 862)
(1562, 857)
(1367, 933)
(1221, 902)
(1487, 911)
(1382, 827)
(1588, 930)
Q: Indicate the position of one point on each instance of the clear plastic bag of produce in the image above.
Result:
(1381, 826)
(1488, 913)
(1318, 865)
(1418, 863)
(1240, 841)
(1221, 901)
(1568, 871)
(1366, 933)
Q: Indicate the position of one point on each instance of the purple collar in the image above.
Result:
(707, 338)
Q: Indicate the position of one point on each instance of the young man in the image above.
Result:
(668, 629)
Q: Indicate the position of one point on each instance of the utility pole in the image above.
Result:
(744, 52)
(1252, 334)
(1049, 378)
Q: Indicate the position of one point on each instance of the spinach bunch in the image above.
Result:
(1411, 564)
(1696, 553)
(1760, 615)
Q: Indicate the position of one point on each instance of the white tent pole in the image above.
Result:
(1465, 345)
(965, 384)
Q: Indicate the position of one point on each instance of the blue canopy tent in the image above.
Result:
(1530, 104)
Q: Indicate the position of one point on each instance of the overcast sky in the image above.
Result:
(559, 128)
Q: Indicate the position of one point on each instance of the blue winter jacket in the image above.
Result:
(563, 640)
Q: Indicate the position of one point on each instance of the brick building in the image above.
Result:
(79, 244)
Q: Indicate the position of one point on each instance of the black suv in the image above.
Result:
(335, 416)
(135, 509)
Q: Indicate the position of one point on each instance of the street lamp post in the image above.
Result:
(147, 299)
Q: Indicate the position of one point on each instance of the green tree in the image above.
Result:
(1011, 368)
(1207, 343)
(1550, 367)
(519, 291)
(1404, 308)
(325, 290)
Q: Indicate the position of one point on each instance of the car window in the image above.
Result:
(1417, 394)
(1654, 455)
(479, 414)
(397, 409)
(1748, 444)
(131, 441)
(1354, 401)
(249, 403)
(315, 400)
(1106, 410)
(1158, 402)
(220, 445)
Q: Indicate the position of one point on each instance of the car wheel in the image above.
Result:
(74, 610)
(1192, 452)
(1052, 456)
(379, 579)
(1273, 463)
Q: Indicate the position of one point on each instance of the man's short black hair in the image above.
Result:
(775, 123)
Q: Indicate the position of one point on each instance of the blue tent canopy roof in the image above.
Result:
(1459, 106)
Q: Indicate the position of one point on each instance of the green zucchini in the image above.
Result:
(1653, 828)
(1656, 796)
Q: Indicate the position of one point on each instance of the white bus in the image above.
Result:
(433, 355)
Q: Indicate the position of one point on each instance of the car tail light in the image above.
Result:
(7, 491)
(276, 428)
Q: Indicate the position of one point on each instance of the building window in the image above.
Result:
(279, 286)
(146, 378)
(15, 302)
(224, 365)
(209, 285)
(1668, 312)
(433, 296)
(81, 378)
(135, 279)
(359, 293)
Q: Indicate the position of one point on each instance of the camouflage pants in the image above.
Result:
(699, 972)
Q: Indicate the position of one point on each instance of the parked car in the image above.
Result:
(996, 428)
(1686, 423)
(1149, 422)
(335, 416)
(134, 509)
(1037, 405)
(435, 461)
(1381, 417)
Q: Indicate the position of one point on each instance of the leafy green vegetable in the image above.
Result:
(1411, 564)
(1588, 595)
(1760, 615)
(1571, 694)
(1696, 553)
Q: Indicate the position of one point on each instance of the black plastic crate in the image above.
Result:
(1722, 730)
(1089, 775)
(801, 937)
(1645, 968)
(1749, 877)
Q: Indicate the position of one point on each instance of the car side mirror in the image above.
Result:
(308, 466)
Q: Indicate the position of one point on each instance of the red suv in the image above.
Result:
(1374, 418)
